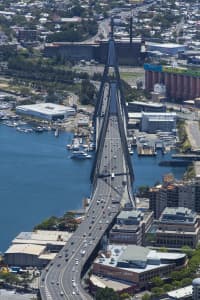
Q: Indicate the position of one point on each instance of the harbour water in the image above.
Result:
(38, 179)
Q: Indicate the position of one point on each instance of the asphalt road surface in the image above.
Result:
(62, 278)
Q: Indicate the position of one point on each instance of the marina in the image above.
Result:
(43, 176)
(81, 143)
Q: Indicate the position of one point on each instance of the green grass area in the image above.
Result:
(184, 144)
(190, 173)
(131, 76)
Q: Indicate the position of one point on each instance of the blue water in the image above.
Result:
(148, 172)
(38, 179)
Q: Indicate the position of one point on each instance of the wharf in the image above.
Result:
(150, 151)
(189, 156)
(175, 163)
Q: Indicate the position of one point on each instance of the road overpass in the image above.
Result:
(112, 178)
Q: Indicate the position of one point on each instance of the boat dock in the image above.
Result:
(189, 156)
(175, 163)
(146, 151)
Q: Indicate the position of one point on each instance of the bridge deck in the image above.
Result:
(62, 277)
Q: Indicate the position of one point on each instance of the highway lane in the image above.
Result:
(62, 278)
(99, 120)
(106, 185)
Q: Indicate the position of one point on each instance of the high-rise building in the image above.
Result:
(175, 194)
(178, 227)
(131, 227)
(161, 197)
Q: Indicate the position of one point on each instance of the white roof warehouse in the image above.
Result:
(47, 111)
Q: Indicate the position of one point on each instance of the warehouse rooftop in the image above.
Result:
(26, 249)
(42, 237)
(46, 108)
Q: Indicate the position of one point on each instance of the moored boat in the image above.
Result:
(80, 155)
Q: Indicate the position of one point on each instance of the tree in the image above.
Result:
(48, 224)
(186, 281)
(167, 287)
(176, 284)
(124, 296)
(68, 222)
(105, 294)
(176, 275)
(69, 216)
(157, 281)
(157, 291)
(146, 296)
(187, 250)
(9, 278)
(88, 92)
(143, 190)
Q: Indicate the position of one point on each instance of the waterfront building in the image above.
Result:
(177, 227)
(196, 289)
(136, 265)
(35, 248)
(46, 111)
(161, 197)
(175, 194)
(134, 119)
(54, 240)
(139, 106)
(26, 255)
(181, 83)
(152, 122)
(130, 227)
